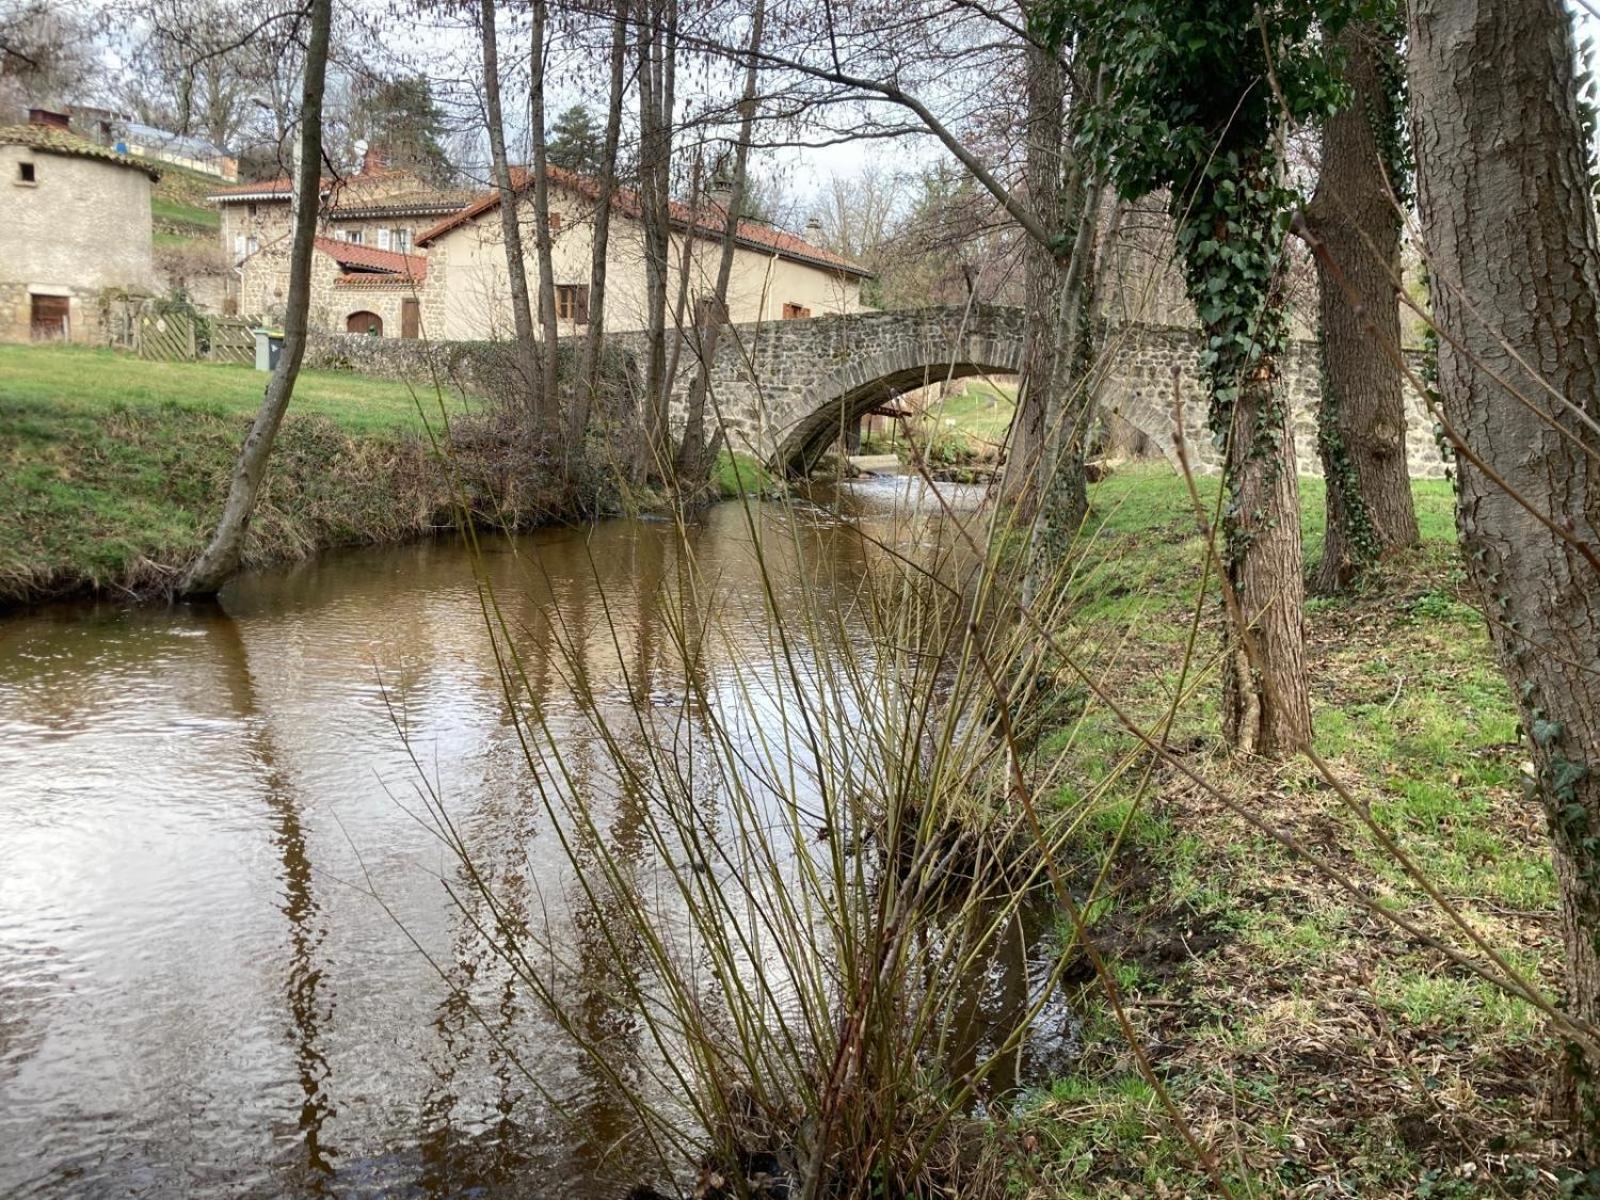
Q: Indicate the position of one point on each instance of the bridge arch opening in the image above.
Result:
(838, 403)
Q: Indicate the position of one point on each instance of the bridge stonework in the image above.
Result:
(784, 389)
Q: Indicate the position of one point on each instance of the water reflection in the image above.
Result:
(199, 995)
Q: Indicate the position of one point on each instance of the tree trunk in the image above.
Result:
(1046, 141)
(655, 161)
(547, 414)
(696, 453)
(1266, 708)
(510, 230)
(1355, 229)
(220, 559)
(1230, 228)
(1508, 219)
(594, 342)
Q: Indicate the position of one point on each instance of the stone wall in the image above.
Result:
(783, 389)
(1136, 388)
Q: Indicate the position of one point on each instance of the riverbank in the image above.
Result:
(1306, 1043)
(112, 470)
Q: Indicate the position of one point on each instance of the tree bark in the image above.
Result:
(1355, 228)
(655, 160)
(510, 230)
(220, 559)
(549, 400)
(1046, 141)
(594, 342)
(1509, 225)
(696, 453)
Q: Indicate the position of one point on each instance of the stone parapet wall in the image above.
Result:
(1137, 381)
(783, 389)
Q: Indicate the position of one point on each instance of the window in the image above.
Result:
(252, 244)
(383, 239)
(795, 312)
(402, 240)
(251, 209)
(572, 303)
(353, 236)
(238, 247)
(25, 173)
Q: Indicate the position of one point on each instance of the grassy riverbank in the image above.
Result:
(1311, 1048)
(112, 470)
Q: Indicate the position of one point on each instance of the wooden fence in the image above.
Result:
(183, 337)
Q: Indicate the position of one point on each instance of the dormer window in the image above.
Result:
(25, 174)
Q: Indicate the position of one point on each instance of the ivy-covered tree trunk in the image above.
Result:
(1355, 229)
(1231, 235)
(1509, 224)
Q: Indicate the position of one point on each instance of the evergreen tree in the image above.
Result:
(575, 141)
(401, 119)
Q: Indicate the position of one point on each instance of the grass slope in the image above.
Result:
(112, 469)
(1310, 1047)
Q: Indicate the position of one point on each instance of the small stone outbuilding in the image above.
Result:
(75, 232)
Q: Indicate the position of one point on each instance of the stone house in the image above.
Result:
(776, 275)
(355, 288)
(378, 208)
(75, 231)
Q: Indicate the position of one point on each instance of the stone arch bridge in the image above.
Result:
(785, 389)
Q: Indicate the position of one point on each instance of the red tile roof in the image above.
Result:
(707, 221)
(354, 195)
(371, 259)
(378, 283)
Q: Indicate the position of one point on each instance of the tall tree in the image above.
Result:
(510, 229)
(658, 33)
(575, 141)
(1045, 132)
(401, 118)
(220, 559)
(1353, 224)
(696, 451)
(594, 343)
(1514, 264)
(547, 401)
(1200, 93)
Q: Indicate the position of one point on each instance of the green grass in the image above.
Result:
(112, 469)
(1300, 1033)
(174, 212)
(736, 475)
(62, 379)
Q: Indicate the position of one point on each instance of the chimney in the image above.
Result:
(814, 230)
(49, 119)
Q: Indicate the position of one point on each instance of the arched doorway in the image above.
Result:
(369, 323)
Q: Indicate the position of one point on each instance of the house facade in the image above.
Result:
(75, 231)
(776, 275)
(377, 209)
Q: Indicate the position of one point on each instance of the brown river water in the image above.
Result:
(201, 993)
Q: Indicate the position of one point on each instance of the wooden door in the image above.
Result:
(51, 318)
(410, 317)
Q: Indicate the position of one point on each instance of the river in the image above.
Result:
(229, 963)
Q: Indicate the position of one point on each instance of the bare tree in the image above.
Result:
(583, 401)
(658, 45)
(220, 559)
(1509, 226)
(510, 230)
(697, 452)
(546, 413)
